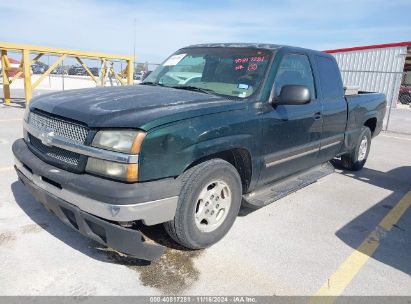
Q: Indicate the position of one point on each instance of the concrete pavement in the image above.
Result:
(291, 247)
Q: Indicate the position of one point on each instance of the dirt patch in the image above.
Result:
(173, 273)
(6, 237)
(34, 228)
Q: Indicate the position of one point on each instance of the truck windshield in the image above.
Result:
(235, 72)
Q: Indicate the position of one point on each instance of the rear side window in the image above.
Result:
(294, 69)
(331, 85)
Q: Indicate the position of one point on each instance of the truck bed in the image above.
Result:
(364, 108)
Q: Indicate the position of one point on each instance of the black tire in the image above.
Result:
(351, 161)
(183, 228)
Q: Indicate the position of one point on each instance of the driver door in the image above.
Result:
(291, 133)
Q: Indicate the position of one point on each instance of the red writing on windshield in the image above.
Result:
(257, 59)
(240, 61)
(252, 67)
(251, 59)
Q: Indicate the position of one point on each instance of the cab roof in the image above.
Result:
(266, 46)
(239, 45)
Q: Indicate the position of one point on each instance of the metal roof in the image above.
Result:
(369, 47)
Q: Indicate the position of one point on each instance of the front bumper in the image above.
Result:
(150, 202)
(98, 216)
(125, 240)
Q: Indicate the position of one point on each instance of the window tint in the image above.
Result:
(331, 85)
(294, 69)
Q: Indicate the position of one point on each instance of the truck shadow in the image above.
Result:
(171, 274)
(395, 245)
(246, 208)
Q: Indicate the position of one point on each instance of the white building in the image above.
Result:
(376, 68)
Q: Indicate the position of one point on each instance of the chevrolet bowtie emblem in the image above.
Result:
(46, 138)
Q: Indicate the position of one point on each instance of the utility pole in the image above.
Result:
(135, 38)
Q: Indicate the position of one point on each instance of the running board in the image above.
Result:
(279, 189)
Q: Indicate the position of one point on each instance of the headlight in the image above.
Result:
(120, 171)
(124, 141)
(119, 141)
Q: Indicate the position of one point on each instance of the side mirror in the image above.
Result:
(293, 95)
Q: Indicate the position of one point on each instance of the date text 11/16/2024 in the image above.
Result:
(203, 299)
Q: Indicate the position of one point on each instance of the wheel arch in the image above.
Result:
(371, 123)
(239, 158)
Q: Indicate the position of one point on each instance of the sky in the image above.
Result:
(161, 27)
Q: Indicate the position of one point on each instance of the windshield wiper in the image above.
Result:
(152, 83)
(193, 88)
(182, 87)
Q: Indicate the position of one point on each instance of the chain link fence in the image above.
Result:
(397, 88)
(404, 96)
(399, 117)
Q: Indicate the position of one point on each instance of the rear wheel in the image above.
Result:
(208, 205)
(356, 159)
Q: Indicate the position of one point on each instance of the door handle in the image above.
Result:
(317, 115)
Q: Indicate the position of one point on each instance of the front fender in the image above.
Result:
(168, 151)
(204, 148)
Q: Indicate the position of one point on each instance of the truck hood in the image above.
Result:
(140, 106)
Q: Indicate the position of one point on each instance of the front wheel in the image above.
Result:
(356, 159)
(208, 205)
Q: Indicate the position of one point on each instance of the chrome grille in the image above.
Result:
(67, 157)
(63, 128)
(59, 126)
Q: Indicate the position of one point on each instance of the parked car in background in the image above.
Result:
(79, 70)
(141, 75)
(76, 70)
(137, 76)
(94, 71)
(404, 95)
(39, 68)
(60, 70)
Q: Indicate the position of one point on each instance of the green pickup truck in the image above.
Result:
(215, 126)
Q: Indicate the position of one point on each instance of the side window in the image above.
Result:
(329, 77)
(294, 69)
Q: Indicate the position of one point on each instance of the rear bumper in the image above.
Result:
(125, 240)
